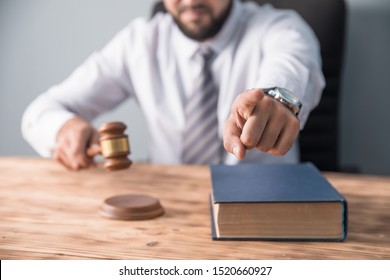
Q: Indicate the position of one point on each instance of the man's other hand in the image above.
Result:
(258, 121)
(73, 140)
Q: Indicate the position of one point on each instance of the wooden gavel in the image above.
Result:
(114, 146)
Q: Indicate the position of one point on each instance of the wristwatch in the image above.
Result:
(285, 97)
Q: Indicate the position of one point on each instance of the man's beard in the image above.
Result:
(206, 32)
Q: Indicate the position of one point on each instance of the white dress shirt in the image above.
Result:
(154, 62)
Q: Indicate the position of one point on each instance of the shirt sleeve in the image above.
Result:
(99, 84)
(291, 59)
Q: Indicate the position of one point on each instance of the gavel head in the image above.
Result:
(114, 145)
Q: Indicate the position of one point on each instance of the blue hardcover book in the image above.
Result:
(275, 202)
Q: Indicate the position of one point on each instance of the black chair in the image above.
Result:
(319, 140)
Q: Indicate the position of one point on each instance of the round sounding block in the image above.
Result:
(131, 207)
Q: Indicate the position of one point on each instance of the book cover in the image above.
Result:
(275, 202)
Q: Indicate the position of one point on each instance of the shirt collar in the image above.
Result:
(189, 47)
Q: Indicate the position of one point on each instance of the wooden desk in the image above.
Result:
(47, 212)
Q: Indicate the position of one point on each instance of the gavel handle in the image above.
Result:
(94, 151)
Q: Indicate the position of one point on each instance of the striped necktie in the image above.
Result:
(201, 143)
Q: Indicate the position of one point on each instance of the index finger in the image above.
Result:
(231, 138)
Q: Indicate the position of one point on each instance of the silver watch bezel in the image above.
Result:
(286, 97)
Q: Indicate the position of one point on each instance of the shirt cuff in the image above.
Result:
(42, 135)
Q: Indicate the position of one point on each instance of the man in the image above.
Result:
(241, 50)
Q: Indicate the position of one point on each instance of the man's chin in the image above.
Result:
(196, 30)
(198, 35)
(201, 26)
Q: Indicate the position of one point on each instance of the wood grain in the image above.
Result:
(48, 212)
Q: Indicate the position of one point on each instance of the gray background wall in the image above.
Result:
(42, 41)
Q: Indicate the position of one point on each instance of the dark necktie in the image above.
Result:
(201, 143)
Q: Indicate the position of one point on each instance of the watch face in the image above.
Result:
(288, 96)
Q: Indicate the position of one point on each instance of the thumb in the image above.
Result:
(244, 105)
(93, 147)
(94, 138)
